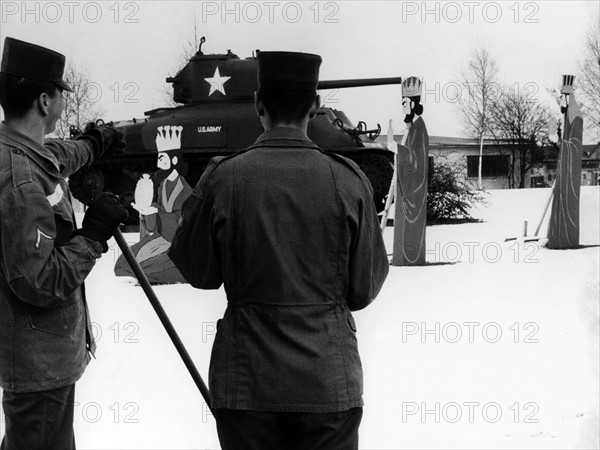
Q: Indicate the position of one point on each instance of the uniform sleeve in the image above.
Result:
(368, 262)
(194, 248)
(72, 155)
(38, 272)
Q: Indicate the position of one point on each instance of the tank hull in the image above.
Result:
(220, 129)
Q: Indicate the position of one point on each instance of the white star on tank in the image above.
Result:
(217, 83)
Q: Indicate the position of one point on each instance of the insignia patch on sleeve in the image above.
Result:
(41, 234)
(56, 197)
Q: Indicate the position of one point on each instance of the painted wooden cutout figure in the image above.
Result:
(563, 230)
(411, 191)
(161, 217)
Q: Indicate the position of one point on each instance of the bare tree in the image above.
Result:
(589, 79)
(521, 124)
(81, 105)
(480, 79)
(189, 49)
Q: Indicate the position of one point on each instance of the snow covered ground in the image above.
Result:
(492, 344)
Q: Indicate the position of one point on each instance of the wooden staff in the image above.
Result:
(162, 315)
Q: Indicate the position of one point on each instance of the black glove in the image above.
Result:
(102, 218)
(105, 138)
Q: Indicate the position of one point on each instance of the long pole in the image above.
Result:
(537, 230)
(162, 315)
(391, 144)
(480, 164)
(391, 198)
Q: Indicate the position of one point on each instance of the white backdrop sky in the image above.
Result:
(129, 48)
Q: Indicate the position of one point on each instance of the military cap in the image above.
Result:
(25, 60)
(288, 70)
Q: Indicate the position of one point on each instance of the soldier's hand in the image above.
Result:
(114, 140)
(105, 138)
(102, 218)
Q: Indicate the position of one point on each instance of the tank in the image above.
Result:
(216, 93)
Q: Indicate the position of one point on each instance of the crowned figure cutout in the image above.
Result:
(411, 190)
(161, 217)
(563, 229)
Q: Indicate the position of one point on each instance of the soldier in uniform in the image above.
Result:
(45, 334)
(292, 232)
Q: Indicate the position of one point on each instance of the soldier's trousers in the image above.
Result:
(258, 430)
(39, 420)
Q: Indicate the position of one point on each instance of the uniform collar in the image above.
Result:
(285, 137)
(283, 133)
(37, 152)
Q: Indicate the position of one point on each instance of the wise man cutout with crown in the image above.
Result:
(160, 218)
(563, 229)
(411, 193)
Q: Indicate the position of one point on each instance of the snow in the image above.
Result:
(492, 344)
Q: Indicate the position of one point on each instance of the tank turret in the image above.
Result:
(204, 77)
(218, 118)
(215, 78)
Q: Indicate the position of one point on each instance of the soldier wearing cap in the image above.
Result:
(292, 233)
(45, 330)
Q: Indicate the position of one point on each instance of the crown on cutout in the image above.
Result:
(168, 138)
(567, 84)
(411, 87)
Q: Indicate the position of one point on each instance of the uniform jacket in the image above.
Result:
(293, 234)
(43, 314)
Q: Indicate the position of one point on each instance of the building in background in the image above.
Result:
(590, 165)
(497, 161)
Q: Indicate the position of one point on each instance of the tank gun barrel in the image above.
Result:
(341, 84)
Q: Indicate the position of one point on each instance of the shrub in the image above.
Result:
(449, 195)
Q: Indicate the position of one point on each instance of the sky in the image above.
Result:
(129, 48)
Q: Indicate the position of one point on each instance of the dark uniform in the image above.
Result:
(45, 331)
(293, 234)
(43, 314)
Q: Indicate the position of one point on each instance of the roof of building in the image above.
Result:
(591, 151)
(444, 141)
